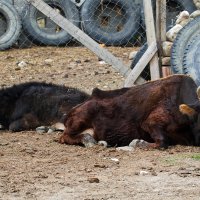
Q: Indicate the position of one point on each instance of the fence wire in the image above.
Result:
(111, 23)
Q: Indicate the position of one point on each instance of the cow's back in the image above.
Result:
(174, 90)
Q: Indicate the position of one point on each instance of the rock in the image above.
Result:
(166, 61)
(102, 62)
(4, 143)
(48, 61)
(184, 15)
(197, 3)
(22, 64)
(100, 165)
(166, 47)
(93, 180)
(115, 160)
(153, 173)
(30, 150)
(87, 60)
(143, 173)
(125, 148)
(195, 14)
(166, 71)
(132, 55)
(184, 22)
(50, 131)
(172, 33)
(102, 143)
(78, 61)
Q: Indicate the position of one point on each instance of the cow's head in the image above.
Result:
(81, 117)
(193, 112)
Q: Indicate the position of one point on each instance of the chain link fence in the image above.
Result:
(111, 23)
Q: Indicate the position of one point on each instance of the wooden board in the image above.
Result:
(144, 60)
(81, 36)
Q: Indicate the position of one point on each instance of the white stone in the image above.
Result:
(184, 22)
(125, 148)
(182, 16)
(48, 61)
(197, 3)
(195, 14)
(166, 47)
(115, 160)
(166, 61)
(102, 62)
(132, 55)
(144, 173)
(172, 33)
(22, 64)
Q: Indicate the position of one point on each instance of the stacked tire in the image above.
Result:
(10, 24)
(111, 22)
(174, 7)
(42, 30)
(185, 53)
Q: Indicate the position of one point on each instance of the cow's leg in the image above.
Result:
(138, 143)
(157, 134)
(27, 122)
(51, 129)
(155, 125)
(86, 138)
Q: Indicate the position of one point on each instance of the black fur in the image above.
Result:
(28, 105)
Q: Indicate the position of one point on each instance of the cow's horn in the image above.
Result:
(185, 109)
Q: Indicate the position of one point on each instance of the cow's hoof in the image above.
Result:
(103, 143)
(88, 140)
(51, 130)
(58, 126)
(139, 143)
(42, 129)
(2, 127)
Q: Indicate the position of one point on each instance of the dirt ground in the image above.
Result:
(36, 166)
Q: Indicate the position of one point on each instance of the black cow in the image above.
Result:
(29, 105)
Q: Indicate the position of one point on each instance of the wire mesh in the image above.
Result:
(117, 25)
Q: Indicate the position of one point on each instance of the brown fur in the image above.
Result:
(149, 112)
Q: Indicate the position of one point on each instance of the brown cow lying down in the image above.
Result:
(29, 105)
(162, 112)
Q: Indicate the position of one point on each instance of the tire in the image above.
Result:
(146, 72)
(116, 24)
(2, 25)
(174, 7)
(49, 33)
(10, 25)
(191, 59)
(187, 33)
